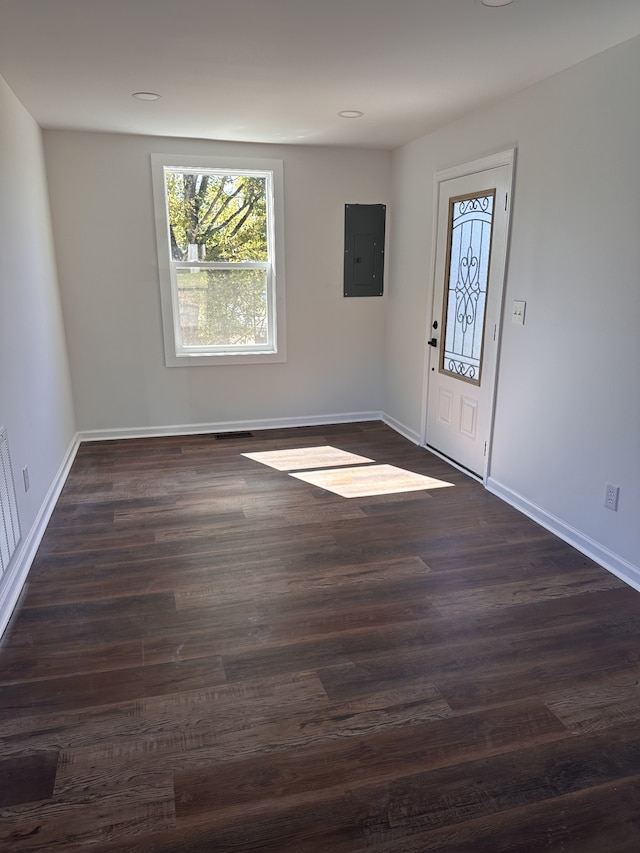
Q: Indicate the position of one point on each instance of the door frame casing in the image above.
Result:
(507, 157)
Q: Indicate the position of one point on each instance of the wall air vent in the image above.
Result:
(224, 435)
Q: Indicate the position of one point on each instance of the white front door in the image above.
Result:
(471, 247)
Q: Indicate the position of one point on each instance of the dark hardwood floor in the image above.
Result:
(211, 655)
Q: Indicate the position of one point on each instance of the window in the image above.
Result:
(467, 281)
(220, 250)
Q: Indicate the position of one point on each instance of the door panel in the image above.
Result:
(471, 246)
(468, 416)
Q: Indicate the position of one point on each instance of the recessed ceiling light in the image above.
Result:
(496, 2)
(350, 114)
(146, 96)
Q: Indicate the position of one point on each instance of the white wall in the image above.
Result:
(35, 390)
(568, 402)
(101, 197)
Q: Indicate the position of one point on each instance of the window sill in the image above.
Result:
(213, 360)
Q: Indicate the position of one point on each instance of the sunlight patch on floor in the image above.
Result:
(358, 478)
(307, 457)
(370, 480)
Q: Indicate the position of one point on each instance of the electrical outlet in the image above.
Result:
(25, 478)
(518, 311)
(611, 497)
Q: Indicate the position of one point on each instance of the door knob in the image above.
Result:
(433, 342)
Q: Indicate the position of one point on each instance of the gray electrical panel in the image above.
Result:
(364, 249)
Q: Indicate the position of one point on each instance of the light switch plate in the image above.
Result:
(517, 313)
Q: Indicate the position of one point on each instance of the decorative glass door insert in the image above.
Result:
(470, 228)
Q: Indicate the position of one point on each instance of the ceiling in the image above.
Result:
(280, 70)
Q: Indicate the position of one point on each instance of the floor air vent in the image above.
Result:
(9, 524)
(222, 435)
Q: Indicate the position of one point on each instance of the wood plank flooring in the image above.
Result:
(214, 656)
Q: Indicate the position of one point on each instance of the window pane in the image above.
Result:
(217, 217)
(470, 223)
(222, 218)
(223, 308)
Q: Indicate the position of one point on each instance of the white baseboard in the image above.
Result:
(14, 579)
(228, 426)
(615, 564)
(399, 427)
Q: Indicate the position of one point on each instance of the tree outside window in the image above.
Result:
(219, 235)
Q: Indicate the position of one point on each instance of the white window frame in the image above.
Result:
(175, 354)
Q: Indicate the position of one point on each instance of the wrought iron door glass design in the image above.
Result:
(467, 280)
